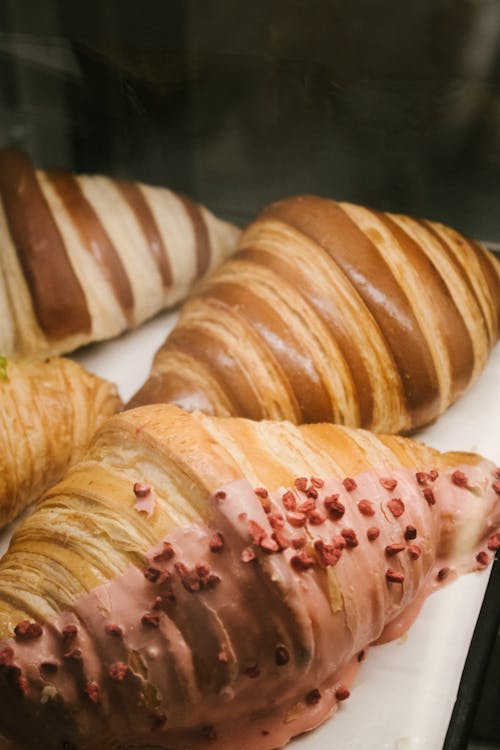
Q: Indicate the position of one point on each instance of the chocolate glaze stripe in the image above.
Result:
(201, 237)
(269, 319)
(338, 333)
(136, 200)
(490, 268)
(415, 360)
(454, 355)
(472, 279)
(315, 363)
(457, 282)
(203, 345)
(94, 238)
(330, 226)
(59, 302)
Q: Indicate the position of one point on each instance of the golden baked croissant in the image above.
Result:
(199, 582)
(85, 257)
(49, 410)
(333, 312)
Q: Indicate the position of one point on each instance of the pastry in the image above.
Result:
(334, 312)
(84, 258)
(49, 410)
(199, 582)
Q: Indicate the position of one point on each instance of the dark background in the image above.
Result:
(392, 104)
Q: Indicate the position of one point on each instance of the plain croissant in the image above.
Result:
(199, 582)
(334, 312)
(83, 258)
(49, 411)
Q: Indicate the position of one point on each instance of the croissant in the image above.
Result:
(48, 414)
(83, 258)
(200, 582)
(333, 312)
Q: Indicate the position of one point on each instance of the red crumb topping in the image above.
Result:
(433, 475)
(27, 631)
(153, 575)
(197, 578)
(316, 518)
(349, 484)
(313, 697)
(334, 507)
(317, 482)
(289, 501)
(6, 656)
(301, 484)
(388, 483)
(342, 693)
(141, 489)
(394, 549)
(69, 633)
(396, 506)
(494, 542)
(276, 520)
(247, 555)
(216, 542)
(410, 533)
(269, 545)
(118, 671)
(328, 554)
(483, 558)
(256, 532)
(302, 561)
(350, 537)
(442, 574)
(296, 519)
(366, 508)
(414, 551)
(261, 492)
(166, 554)
(307, 506)
(282, 540)
(298, 540)
(220, 495)
(312, 492)
(112, 629)
(429, 495)
(394, 576)
(372, 533)
(422, 477)
(281, 655)
(459, 478)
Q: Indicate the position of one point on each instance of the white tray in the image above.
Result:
(403, 696)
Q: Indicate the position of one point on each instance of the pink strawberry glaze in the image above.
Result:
(208, 675)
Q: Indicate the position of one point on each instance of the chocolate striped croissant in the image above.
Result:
(199, 582)
(48, 413)
(85, 257)
(333, 312)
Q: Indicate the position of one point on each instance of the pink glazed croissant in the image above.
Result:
(197, 582)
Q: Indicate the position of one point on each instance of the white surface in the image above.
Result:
(404, 693)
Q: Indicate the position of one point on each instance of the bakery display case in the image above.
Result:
(375, 103)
